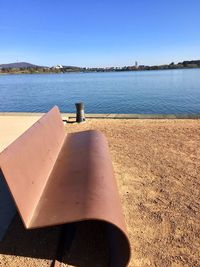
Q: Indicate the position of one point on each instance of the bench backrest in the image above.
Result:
(32, 156)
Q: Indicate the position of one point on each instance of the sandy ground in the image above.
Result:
(157, 167)
(12, 127)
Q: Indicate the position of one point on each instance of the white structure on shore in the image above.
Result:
(58, 67)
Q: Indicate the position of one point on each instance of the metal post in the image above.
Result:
(80, 115)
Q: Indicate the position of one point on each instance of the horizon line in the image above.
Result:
(111, 66)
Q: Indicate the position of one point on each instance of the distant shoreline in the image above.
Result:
(28, 68)
(68, 72)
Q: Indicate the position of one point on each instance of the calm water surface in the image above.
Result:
(170, 91)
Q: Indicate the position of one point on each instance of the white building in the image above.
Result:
(58, 67)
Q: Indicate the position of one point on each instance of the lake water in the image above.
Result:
(142, 92)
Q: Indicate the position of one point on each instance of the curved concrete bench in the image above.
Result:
(57, 178)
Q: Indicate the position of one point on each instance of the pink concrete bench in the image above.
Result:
(57, 178)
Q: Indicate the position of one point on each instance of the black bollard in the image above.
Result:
(80, 115)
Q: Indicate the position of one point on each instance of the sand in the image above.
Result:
(157, 167)
(12, 127)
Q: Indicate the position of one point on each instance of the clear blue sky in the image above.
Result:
(99, 32)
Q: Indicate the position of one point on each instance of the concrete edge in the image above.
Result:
(111, 116)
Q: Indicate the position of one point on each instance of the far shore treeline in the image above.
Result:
(27, 68)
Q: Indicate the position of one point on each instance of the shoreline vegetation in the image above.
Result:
(27, 68)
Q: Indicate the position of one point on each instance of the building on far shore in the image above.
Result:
(58, 67)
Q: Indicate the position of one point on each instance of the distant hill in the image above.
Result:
(19, 65)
